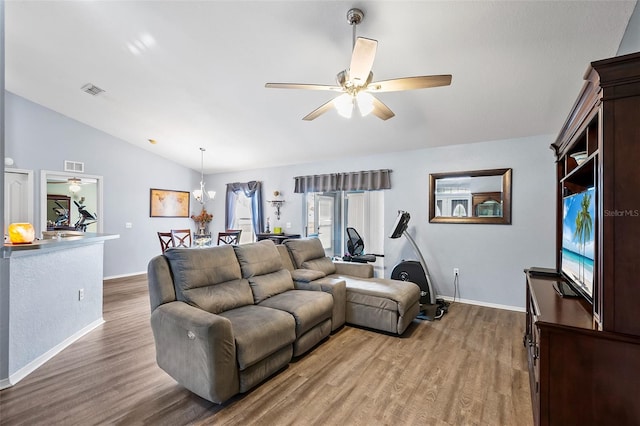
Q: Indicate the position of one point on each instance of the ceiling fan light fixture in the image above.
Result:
(365, 103)
(358, 78)
(208, 195)
(344, 105)
(74, 184)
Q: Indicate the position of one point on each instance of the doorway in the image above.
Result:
(87, 193)
(18, 197)
(323, 220)
(329, 213)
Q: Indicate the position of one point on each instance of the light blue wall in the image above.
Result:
(631, 40)
(491, 258)
(40, 139)
(4, 263)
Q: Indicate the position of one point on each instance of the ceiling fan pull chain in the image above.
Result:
(353, 37)
(354, 17)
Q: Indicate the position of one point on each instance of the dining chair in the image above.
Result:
(166, 240)
(181, 237)
(230, 236)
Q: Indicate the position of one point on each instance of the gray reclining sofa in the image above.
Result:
(225, 318)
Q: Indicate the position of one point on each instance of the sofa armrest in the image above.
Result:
(197, 349)
(337, 288)
(306, 275)
(360, 270)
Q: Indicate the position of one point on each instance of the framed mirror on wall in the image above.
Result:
(476, 196)
(58, 211)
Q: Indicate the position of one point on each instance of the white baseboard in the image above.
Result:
(38, 362)
(485, 304)
(133, 274)
(4, 383)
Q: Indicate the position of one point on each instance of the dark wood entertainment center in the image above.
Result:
(584, 358)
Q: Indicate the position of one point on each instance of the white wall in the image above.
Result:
(631, 40)
(38, 138)
(491, 258)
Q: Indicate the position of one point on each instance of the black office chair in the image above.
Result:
(355, 248)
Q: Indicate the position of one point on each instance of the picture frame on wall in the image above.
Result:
(168, 203)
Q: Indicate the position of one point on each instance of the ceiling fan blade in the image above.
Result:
(410, 83)
(302, 86)
(364, 52)
(319, 111)
(380, 110)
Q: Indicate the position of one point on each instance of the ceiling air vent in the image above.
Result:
(73, 166)
(91, 89)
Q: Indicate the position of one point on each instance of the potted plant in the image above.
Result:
(202, 221)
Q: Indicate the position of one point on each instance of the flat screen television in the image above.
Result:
(578, 241)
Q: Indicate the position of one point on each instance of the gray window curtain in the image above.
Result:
(368, 180)
(252, 190)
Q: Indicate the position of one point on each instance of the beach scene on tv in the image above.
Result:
(578, 242)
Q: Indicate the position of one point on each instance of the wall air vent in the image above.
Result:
(91, 89)
(73, 166)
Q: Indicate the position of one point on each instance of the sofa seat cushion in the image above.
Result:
(259, 332)
(209, 278)
(392, 295)
(309, 308)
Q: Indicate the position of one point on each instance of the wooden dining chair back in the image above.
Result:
(181, 237)
(230, 236)
(166, 240)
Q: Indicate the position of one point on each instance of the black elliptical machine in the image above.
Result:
(417, 272)
(85, 218)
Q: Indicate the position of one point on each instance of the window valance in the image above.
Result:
(367, 180)
(252, 190)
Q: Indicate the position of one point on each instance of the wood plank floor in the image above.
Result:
(467, 369)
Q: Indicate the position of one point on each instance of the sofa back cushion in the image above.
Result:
(285, 256)
(261, 265)
(308, 253)
(209, 278)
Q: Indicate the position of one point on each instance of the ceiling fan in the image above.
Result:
(73, 182)
(356, 82)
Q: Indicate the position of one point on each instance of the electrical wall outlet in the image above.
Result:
(456, 272)
(81, 294)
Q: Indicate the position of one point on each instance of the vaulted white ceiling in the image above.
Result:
(191, 74)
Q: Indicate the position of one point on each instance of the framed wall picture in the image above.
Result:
(168, 203)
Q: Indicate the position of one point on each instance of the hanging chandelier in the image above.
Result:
(201, 195)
